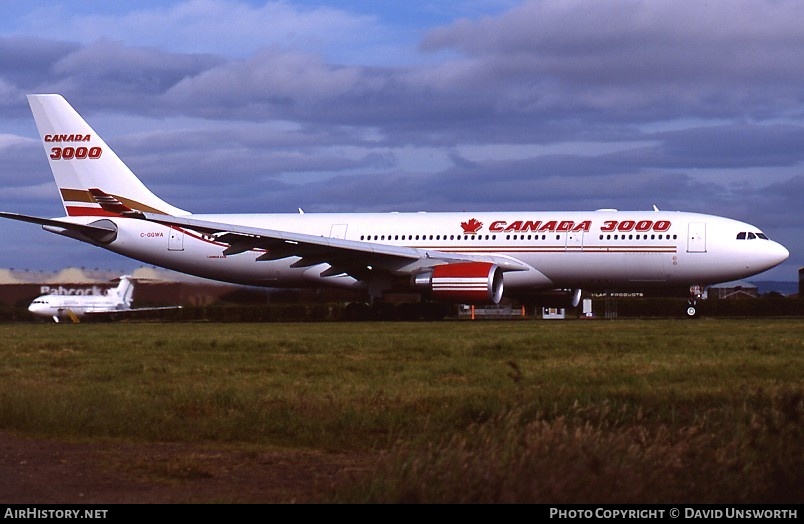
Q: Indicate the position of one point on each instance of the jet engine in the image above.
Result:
(464, 282)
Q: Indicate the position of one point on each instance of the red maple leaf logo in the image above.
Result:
(471, 226)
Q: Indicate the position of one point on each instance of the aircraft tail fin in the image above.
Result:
(88, 173)
(125, 290)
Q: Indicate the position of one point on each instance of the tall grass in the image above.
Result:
(527, 411)
(600, 455)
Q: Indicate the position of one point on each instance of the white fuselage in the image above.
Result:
(595, 249)
(60, 306)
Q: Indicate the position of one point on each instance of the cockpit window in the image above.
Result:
(748, 235)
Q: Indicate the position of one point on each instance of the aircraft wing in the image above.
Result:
(344, 256)
(129, 310)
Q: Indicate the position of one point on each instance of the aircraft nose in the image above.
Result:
(780, 253)
(774, 254)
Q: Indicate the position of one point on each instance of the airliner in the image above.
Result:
(116, 301)
(445, 257)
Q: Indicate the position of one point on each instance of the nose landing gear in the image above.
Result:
(692, 301)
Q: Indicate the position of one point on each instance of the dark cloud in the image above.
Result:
(734, 145)
(106, 68)
(23, 60)
(641, 59)
(104, 74)
(23, 63)
(19, 159)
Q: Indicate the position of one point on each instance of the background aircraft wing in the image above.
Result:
(344, 256)
(128, 310)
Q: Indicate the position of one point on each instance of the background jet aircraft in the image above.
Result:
(467, 257)
(116, 301)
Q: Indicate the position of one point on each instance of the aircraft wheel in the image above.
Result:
(691, 311)
(356, 312)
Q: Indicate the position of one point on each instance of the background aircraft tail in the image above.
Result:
(124, 290)
(81, 161)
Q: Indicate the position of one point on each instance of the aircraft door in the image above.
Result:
(175, 240)
(696, 237)
(574, 241)
(338, 231)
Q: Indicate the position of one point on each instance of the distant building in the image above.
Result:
(733, 290)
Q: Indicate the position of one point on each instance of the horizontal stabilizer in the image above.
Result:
(102, 231)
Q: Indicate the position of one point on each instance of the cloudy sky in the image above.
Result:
(445, 105)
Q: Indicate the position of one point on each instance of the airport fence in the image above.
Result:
(602, 308)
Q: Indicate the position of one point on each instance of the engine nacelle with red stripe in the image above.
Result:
(464, 282)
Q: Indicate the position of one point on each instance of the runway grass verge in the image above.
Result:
(461, 411)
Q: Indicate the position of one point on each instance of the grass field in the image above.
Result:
(508, 411)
